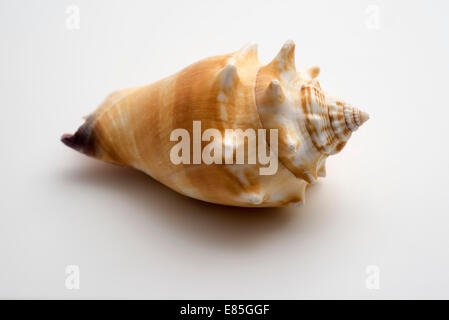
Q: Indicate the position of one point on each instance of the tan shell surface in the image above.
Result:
(133, 126)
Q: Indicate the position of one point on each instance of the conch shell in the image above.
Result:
(134, 127)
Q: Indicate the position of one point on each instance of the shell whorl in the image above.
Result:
(312, 124)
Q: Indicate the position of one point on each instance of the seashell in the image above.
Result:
(142, 128)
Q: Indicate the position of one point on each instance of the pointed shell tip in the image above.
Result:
(363, 117)
(68, 140)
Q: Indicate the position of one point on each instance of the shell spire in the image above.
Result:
(354, 117)
(275, 89)
(321, 172)
(285, 59)
(312, 125)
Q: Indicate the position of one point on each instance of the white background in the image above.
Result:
(383, 203)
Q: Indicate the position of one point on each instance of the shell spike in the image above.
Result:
(248, 50)
(228, 76)
(274, 93)
(285, 59)
(312, 72)
(321, 172)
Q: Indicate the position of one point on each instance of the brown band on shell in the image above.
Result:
(306, 100)
(347, 130)
(325, 112)
(356, 117)
(84, 138)
(354, 120)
